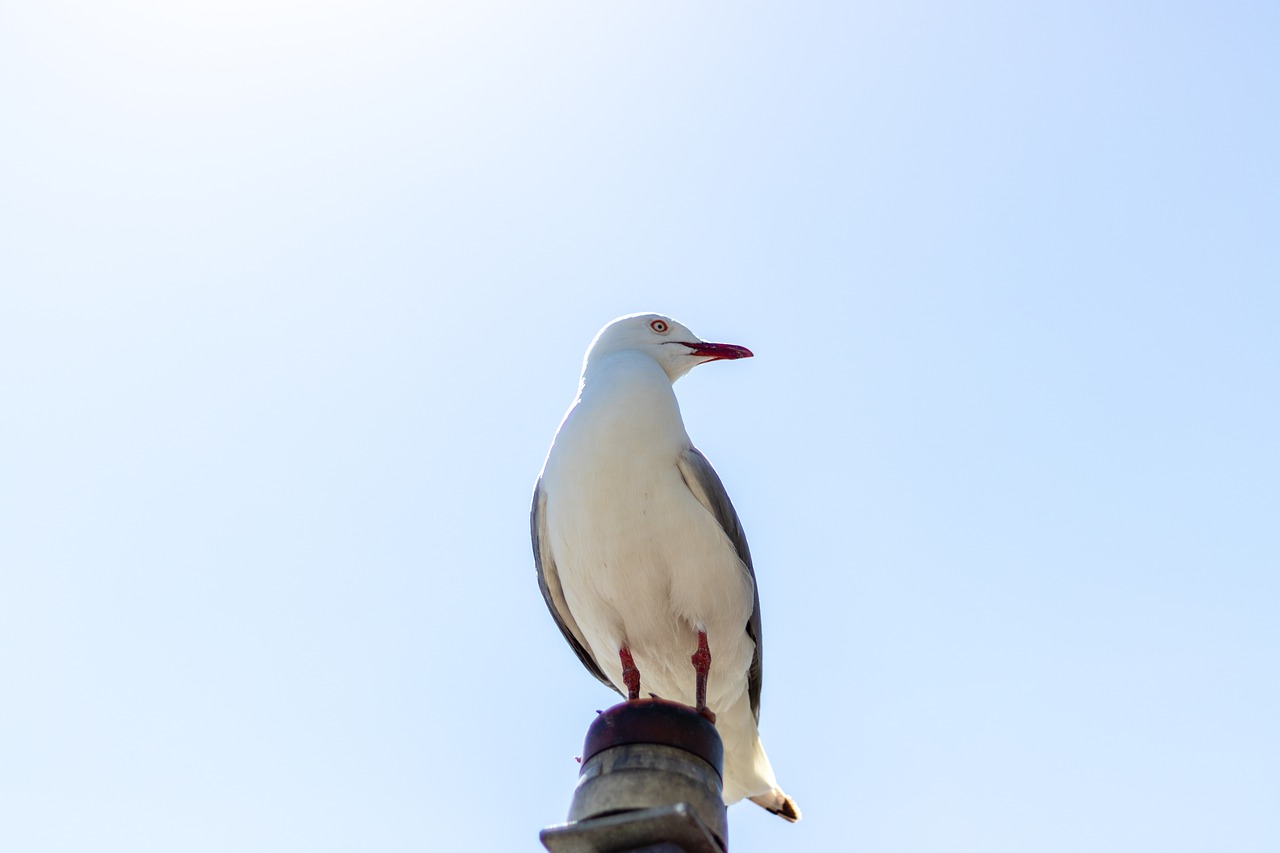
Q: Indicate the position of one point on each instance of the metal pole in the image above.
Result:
(650, 783)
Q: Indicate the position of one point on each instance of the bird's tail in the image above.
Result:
(779, 803)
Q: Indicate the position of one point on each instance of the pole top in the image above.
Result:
(655, 721)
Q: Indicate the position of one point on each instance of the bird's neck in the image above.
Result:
(626, 403)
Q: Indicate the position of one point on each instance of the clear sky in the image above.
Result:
(294, 294)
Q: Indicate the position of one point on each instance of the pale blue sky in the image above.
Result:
(293, 296)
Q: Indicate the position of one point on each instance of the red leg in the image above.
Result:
(630, 675)
(702, 665)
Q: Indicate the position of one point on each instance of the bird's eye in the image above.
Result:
(659, 326)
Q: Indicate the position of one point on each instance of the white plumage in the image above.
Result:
(639, 549)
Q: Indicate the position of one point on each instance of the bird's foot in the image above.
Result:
(701, 666)
(630, 675)
(707, 714)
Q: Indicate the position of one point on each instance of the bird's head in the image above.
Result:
(666, 341)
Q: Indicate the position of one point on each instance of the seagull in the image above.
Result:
(640, 555)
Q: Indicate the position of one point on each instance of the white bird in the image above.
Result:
(640, 555)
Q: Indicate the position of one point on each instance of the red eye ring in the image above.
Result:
(659, 326)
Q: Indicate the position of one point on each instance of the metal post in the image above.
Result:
(650, 783)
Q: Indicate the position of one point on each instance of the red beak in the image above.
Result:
(717, 351)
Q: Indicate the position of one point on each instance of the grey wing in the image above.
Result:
(705, 484)
(552, 592)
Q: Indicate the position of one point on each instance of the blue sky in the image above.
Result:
(293, 296)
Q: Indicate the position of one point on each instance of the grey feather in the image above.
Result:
(552, 592)
(705, 484)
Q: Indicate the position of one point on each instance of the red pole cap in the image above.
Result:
(655, 721)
